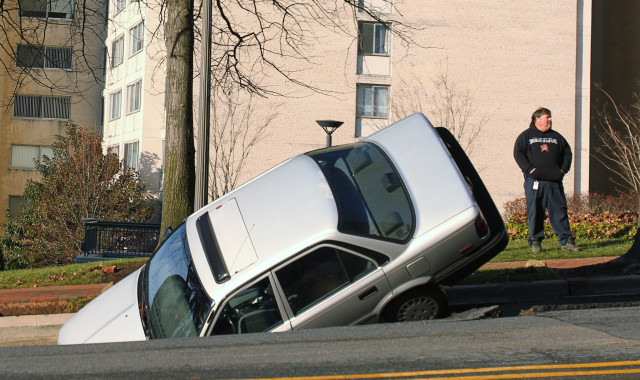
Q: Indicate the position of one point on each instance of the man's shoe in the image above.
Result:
(536, 247)
(570, 245)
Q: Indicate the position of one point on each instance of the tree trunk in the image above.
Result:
(633, 254)
(179, 176)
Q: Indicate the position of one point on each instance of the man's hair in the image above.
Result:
(539, 112)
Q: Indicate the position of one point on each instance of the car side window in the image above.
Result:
(319, 274)
(252, 310)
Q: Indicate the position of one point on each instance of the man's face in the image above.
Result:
(543, 123)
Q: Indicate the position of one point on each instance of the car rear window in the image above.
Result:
(371, 198)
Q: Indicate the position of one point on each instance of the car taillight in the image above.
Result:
(482, 228)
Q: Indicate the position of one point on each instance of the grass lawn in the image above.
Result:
(519, 250)
(74, 274)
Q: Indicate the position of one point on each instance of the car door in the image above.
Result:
(254, 308)
(331, 286)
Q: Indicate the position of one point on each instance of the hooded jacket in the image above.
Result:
(546, 152)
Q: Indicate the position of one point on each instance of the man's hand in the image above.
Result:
(547, 174)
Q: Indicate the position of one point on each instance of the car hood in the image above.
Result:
(112, 317)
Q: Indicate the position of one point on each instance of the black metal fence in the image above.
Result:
(116, 240)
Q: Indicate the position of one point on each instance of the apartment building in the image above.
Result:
(52, 68)
(497, 55)
(498, 60)
(134, 90)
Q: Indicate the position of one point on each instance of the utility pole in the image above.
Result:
(202, 158)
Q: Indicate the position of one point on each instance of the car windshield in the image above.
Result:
(176, 305)
(371, 198)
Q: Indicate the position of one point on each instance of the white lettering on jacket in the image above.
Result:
(543, 140)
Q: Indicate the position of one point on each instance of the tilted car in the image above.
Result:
(350, 234)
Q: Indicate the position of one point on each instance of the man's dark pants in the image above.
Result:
(549, 196)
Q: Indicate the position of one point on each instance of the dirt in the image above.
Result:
(121, 271)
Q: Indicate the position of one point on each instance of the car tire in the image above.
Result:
(416, 305)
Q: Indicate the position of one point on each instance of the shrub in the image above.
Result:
(79, 181)
(592, 216)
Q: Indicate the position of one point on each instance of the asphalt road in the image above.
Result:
(563, 343)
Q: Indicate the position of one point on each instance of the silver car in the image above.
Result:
(345, 235)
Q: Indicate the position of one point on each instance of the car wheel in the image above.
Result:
(417, 305)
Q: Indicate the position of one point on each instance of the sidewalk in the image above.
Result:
(25, 327)
(42, 329)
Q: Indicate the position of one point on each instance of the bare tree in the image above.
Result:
(619, 131)
(447, 106)
(53, 35)
(254, 43)
(236, 129)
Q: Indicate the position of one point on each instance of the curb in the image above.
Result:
(508, 292)
(604, 285)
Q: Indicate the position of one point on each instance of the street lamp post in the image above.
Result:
(329, 127)
(202, 159)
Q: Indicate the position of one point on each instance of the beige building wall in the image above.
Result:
(79, 83)
(510, 57)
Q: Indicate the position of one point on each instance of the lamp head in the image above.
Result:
(329, 126)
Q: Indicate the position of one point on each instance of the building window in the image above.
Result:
(131, 155)
(373, 38)
(24, 156)
(50, 8)
(120, 4)
(117, 51)
(115, 103)
(137, 38)
(114, 149)
(134, 97)
(43, 57)
(16, 204)
(42, 107)
(373, 101)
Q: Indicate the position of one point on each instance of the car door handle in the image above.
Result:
(368, 293)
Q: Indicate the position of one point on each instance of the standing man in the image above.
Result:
(545, 157)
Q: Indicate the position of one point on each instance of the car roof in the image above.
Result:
(266, 220)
